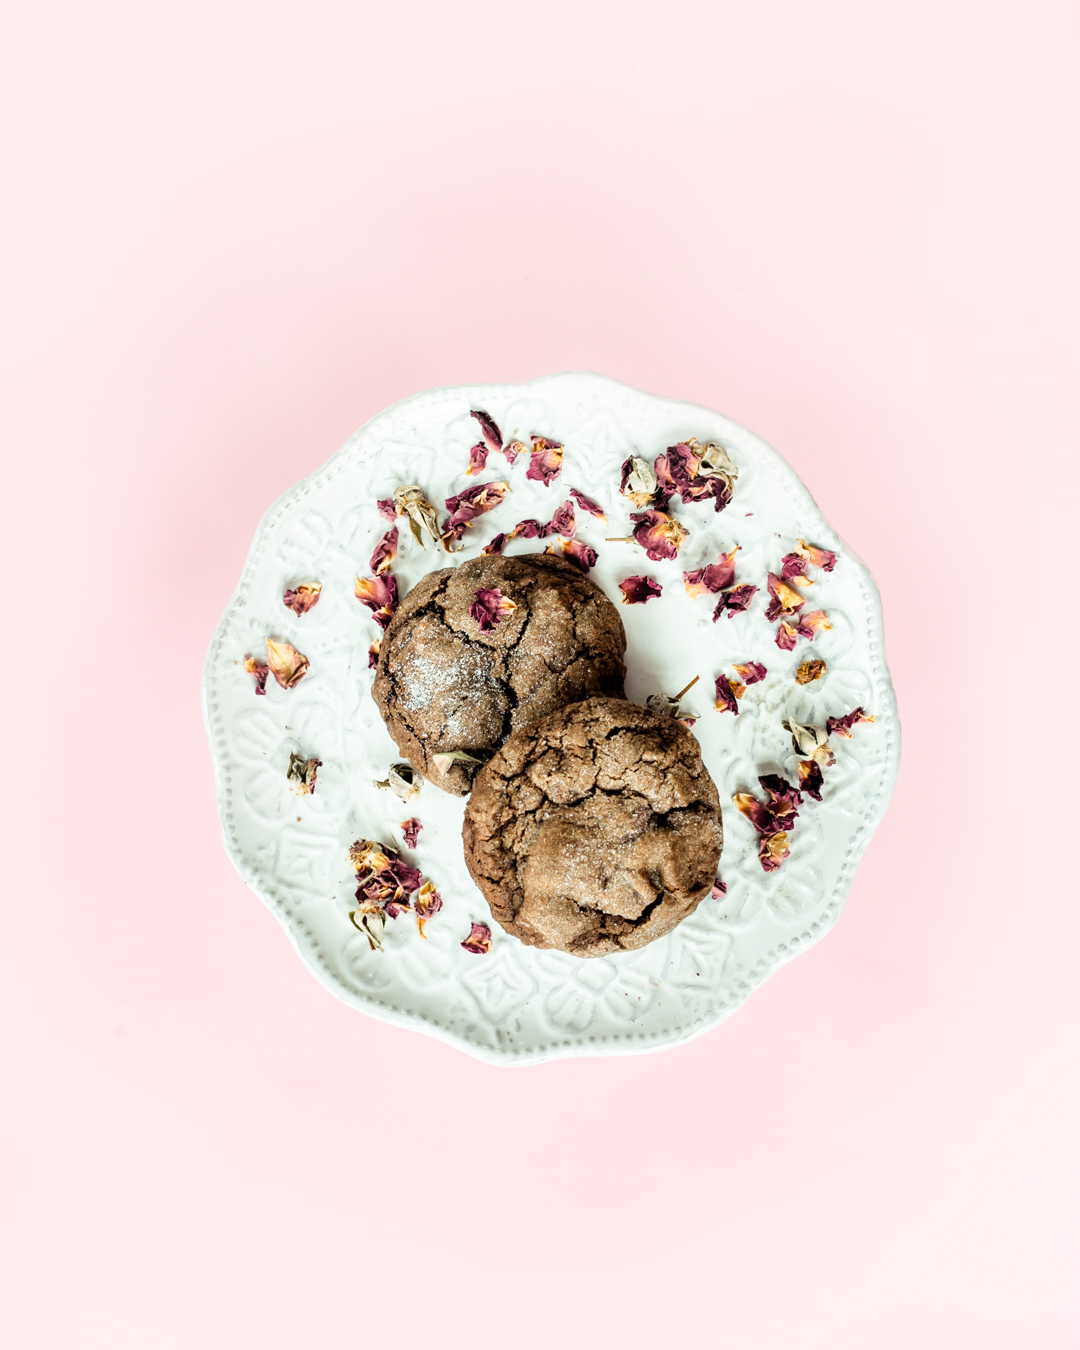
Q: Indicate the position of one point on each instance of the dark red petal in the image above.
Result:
(785, 637)
(410, 830)
(588, 505)
(385, 552)
(387, 509)
(562, 522)
(752, 672)
(477, 458)
(489, 430)
(581, 555)
(842, 726)
(639, 590)
(725, 696)
(793, 566)
(497, 544)
(811, 778)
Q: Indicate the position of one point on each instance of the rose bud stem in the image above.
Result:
(622, 539)
(688, 687)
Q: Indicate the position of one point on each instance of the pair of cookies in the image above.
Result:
(593, 825)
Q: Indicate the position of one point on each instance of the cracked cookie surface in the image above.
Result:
(595, 830)
(444, 684)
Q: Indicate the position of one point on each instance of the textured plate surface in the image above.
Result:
(517, 1004)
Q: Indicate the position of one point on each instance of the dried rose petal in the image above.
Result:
(817, 557)
(477, 459)
(497, 544)
(784, 600)
(718, 576)
(427, 904)
(302, 599)
(735, 601)
(810, 671)
(528, 529)
(373, 654)
(479, 940)
(686, 722)
(842, 725)
(660, 535)
(512, 449)
(639, 482)
(410, 829)
(396, 907)
(786, 637)
(488, 429)
(753, 672)
(563, 522)
(811, 778)
(793, 567)
(756, 812)
(808, 624)
(587, 505)
(726, 698)
(639, 590)
(385, 553)
(302, 773)
(287, 665)
(387, 509)
(467, 505)
(719, 888)
(574, 551)
(409, 501)
(666, 484)
(260, 670)
(545, 465)
(772, 850)
(490, 607)
(379, 594)
(782, 800)
(697, 472)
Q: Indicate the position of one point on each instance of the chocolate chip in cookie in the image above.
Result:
(595, 830)
(478, 651)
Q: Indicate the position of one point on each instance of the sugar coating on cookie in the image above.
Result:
(595, 830)
(452, 678)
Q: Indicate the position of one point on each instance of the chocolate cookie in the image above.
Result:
(459, 671)
(595, 830)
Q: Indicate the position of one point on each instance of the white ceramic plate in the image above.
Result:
(517, 1004)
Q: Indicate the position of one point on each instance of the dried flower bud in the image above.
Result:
(447, 758)
(639, 482)
(842, 725)
(410, 831)
(302, 772)
(260, 670)
(490, 607)
(409, 501)
(753, 672)
(385, 553)
(488, 429)
(639, 590)
(545, 465)
(810, 671)
(402, 780)
(479, 940)
(287, 665)
(660, 535)
(303, 598)
(371, 921)
(811, 742)
(588, 505)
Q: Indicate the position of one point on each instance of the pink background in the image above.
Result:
(232, 233)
